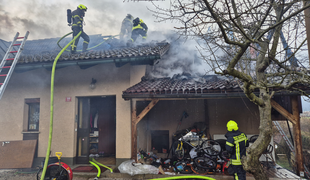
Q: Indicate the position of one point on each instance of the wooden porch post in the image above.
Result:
(307, 21)
(133, 129)
(297, 136)
(134, 121)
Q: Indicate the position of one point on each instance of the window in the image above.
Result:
(160, 140)
(33, 114)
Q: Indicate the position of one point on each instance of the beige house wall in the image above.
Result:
(69, 82)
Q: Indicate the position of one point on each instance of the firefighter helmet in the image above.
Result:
(129, 16)
(232, 126)
(82, 7)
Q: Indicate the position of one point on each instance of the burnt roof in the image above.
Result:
(186, 86)
(181, 86)
(42, 52)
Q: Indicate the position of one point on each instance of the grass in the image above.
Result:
(283, 162)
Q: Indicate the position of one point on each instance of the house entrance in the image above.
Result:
(96, 132)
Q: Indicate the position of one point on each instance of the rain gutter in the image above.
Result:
(223, 95)
(65, 63)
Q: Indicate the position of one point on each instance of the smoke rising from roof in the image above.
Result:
(48, 19)
(182, 58)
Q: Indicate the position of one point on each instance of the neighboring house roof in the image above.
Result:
(42, 52)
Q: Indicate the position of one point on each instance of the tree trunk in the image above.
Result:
(251, 161)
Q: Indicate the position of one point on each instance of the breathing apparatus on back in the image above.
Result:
(69, 16)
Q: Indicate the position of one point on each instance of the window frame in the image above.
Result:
(33, 105)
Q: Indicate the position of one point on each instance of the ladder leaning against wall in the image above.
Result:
(290, 145)
(9, 61)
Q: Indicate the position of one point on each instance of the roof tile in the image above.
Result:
(181, 86)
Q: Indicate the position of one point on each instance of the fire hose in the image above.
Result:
(184, 177)
(52, 111)
(97, 164)
(52, 105)
(108, 37)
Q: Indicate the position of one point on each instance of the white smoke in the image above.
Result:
(183, 58)
(48, 19)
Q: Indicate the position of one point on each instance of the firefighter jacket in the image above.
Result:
(77, 18)
(139, 24)
(126, 26)
(236, 145)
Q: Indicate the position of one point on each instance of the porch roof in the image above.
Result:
(42, 52)
(179, 86)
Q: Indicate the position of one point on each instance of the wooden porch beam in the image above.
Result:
(283, 112)
(134, 121)
(146, 110)
(297, 137)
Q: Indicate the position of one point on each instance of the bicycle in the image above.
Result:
(56, 171)
(196, 157)
(210, 147)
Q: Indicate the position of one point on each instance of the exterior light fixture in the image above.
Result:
(93, 83)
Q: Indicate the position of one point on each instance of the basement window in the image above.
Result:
(33, 113)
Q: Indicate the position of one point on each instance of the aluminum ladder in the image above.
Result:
(9, 61)
(288, 142)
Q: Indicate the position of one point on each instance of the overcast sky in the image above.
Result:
(47, 19)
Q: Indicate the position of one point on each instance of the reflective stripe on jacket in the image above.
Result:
(77, 18)
(140, 25)
(236, 145)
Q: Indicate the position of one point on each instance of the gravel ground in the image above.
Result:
(17, 175)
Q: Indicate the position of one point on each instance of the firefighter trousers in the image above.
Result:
(136, 32)
(75, 43)
(240, 173)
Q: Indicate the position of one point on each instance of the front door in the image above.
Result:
(83, 131)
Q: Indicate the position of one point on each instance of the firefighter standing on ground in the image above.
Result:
(236, 145)
(77, 26)
(139, 28)
(126, 27)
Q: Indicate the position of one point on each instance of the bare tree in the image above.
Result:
(242, 38)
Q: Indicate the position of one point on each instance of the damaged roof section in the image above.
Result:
(41, 53)
(184, 86)
(187, 86)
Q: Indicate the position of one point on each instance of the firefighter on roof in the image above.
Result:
(77, 26)
(126, 27)
(236, 145)
(139, 28)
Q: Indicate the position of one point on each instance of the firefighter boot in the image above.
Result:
(129, 43)
(85, 46)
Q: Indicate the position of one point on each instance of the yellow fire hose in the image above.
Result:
(87, 48)
(93, 160)
(97, 164)
(184, 177)
(98, 168)
(52, 105)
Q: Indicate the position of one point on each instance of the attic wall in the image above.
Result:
(166, 115)
(69, 82)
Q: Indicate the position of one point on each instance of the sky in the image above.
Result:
(48, 19)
